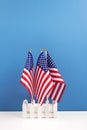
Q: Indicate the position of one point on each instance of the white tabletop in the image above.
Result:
(64, 121)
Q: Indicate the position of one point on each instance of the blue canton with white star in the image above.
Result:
(50, 62)
(29, 62)
(41, 62)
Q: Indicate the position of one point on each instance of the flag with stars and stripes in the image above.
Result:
(43, 80)
(27, 75)
(59, 84)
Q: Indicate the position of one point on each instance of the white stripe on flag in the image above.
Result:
(37, 77)
(53, 69)
(55, 74)
(43, 87)
(57, 79)
(41, 82)
(47, 90)
(55, 90)
(27, 72)
(51, 90)
(23, 81)
(59, 93)
(25, 76)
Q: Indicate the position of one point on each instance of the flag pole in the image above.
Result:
(47, 101)
(32, 99)
(30, 50)
(42, 50)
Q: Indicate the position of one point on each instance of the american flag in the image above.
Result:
(27, 75)
(43, 80)
(59, 84)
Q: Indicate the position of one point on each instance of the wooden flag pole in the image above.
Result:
(47, 101)
(32, 100)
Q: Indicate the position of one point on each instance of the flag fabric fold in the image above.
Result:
(27, 75)
(59, 85)
(43, 81)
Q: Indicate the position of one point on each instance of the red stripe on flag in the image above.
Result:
(57, 78)
(52, 90)
(27, 74)
(57, 91)
(42, 74)
(43, 81)
(61, 93)
(44, 84)
(41, 84)
(41, 102)
(36, 78)
(26, 88)
(24, 78)
(44, 93)
(27, 81)
(39, 78)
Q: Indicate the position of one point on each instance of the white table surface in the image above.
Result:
(64, 121)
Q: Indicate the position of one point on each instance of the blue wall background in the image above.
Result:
(59, 26)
